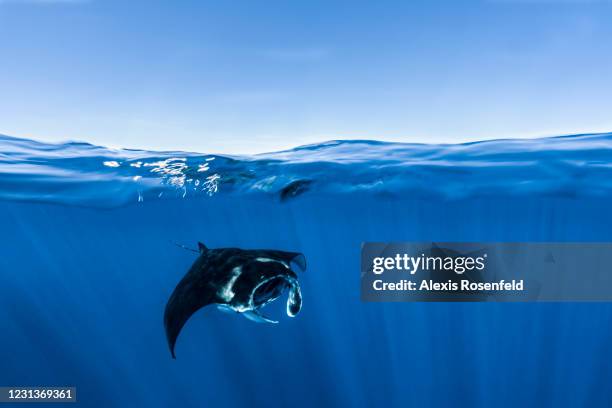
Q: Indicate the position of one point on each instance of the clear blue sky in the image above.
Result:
(249, 76)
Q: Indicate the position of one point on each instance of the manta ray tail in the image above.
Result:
(185, 247)
(201, 247)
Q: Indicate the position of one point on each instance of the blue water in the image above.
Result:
(87, 263)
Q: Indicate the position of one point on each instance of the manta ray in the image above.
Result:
(236, 280)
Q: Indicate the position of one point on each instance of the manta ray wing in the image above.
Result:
(189, 296)
(292, 258)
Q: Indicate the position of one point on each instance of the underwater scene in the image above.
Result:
(95, 241)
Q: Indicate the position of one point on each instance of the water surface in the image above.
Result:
(88, 261)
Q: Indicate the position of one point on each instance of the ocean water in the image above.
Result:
(88, 260)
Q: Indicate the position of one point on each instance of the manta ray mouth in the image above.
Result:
(272, 288)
